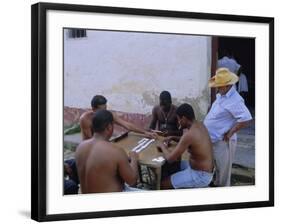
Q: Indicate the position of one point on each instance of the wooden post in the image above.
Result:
(215, 44)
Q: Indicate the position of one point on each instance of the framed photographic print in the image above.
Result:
(111, 86)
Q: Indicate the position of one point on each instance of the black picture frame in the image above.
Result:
(39, 109)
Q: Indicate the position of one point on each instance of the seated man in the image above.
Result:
(71, 180)
(101, 166)
(164, 116)
(198, 172)
(99, 102)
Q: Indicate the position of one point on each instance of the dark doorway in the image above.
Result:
(243, 50)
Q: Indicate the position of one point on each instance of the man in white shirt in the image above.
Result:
(229, 62)
(227, 115)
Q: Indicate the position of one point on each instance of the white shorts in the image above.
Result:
(190, 178)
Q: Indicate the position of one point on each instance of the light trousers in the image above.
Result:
(224, 153)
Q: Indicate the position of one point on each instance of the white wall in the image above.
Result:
(131, 69)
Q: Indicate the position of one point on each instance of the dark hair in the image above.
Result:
(101, 120)
(165, 97)
(185, 110)
(98, 100)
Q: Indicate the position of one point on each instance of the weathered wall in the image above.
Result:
(131, 69)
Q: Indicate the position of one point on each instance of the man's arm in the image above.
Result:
(132, 127)
(235, 128)
(128, 171)
(86, 130)
(243, 118)
(178, 151)
(168, 139)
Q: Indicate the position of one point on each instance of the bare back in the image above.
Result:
(200, 148)
(97, 165)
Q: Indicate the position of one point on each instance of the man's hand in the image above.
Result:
(165, 133)
(167, 140)
(161, 145)
(150, 135)
(227, 136)
(160, 133)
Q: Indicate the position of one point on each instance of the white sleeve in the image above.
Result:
(240, 112)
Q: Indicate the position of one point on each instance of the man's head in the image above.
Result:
(223, 89)
(98, 102)
(223, 80)
(102, 123)
(185, 115)
(165, 100)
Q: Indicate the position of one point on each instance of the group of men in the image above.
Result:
(103, 167)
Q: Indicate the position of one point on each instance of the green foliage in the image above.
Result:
(75, 128)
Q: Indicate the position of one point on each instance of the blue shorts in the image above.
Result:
(70, 187)
(190, 178)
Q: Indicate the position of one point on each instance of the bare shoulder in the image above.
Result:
(191, 133)
(156, 109)
(199, 130)
(187, 135)
(174, 107)
(86, 116)
(117, 151)
(83, 144)
(114, 114)
(202, 127)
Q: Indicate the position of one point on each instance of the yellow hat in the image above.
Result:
(223, 77)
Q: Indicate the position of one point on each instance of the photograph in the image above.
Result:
(158, 125)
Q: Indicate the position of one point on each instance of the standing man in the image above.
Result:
(228, 61)
(99, 102)
(101, 166)
(164, 116)
(227, 115)
(198, 172)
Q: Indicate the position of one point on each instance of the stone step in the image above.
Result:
(242, 175)
(246, 138)
(73, 138)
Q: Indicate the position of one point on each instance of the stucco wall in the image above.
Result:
(131, 69)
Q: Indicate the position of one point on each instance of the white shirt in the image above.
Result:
(225, 112)
(243, 84)
(229, 63)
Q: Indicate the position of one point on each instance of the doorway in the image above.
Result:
(243, 50)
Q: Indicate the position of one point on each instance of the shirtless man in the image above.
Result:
(164, 116)
(102, 167)
(198, 172)
(99, 102)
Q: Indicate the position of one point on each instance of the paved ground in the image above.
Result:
(245, 154)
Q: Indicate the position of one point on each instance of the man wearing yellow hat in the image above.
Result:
(227, 115)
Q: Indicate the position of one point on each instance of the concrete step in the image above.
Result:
(73, 138)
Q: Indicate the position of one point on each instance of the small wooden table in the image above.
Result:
(146, 156)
